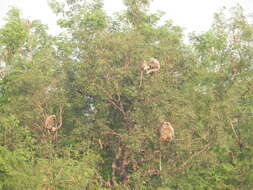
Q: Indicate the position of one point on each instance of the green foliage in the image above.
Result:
(13, 34)
(111, 113)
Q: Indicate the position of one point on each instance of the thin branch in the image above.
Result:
(60, 116)
(141, 79)
(110, 99)
(238, 139)
(114, 165)
(188, 160)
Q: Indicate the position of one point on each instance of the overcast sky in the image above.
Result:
(193, 15)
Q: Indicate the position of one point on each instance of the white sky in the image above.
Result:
(193, 15)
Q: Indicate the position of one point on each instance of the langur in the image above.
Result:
(234, 69)
(166, 131)
(49, 122)
(52, 124)
(144, 66)
(166, 134)
(154, 66)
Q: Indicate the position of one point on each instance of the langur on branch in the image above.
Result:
(154, 66)
(144, 68)
(166, 131)
(49, 123)
(166, 134)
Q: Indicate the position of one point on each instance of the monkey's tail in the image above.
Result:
(141, 79)
(160, 157)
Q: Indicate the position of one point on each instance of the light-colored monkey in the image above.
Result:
(49, 123)
(154, 66)
(144, 66)
(166, 131)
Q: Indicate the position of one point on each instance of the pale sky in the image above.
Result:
(193, 15)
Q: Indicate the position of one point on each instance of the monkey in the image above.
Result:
(154, 66)
(234, 69)
(144, 66)
(166, 131)
(49, 122)
(52, 124)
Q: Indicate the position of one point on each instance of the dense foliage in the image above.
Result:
(89, 76)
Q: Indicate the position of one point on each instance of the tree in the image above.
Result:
(122, 118)
(89, 76)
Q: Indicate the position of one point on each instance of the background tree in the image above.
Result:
(89, 75)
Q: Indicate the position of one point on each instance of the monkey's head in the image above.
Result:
(53, 117)
(154, 60)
